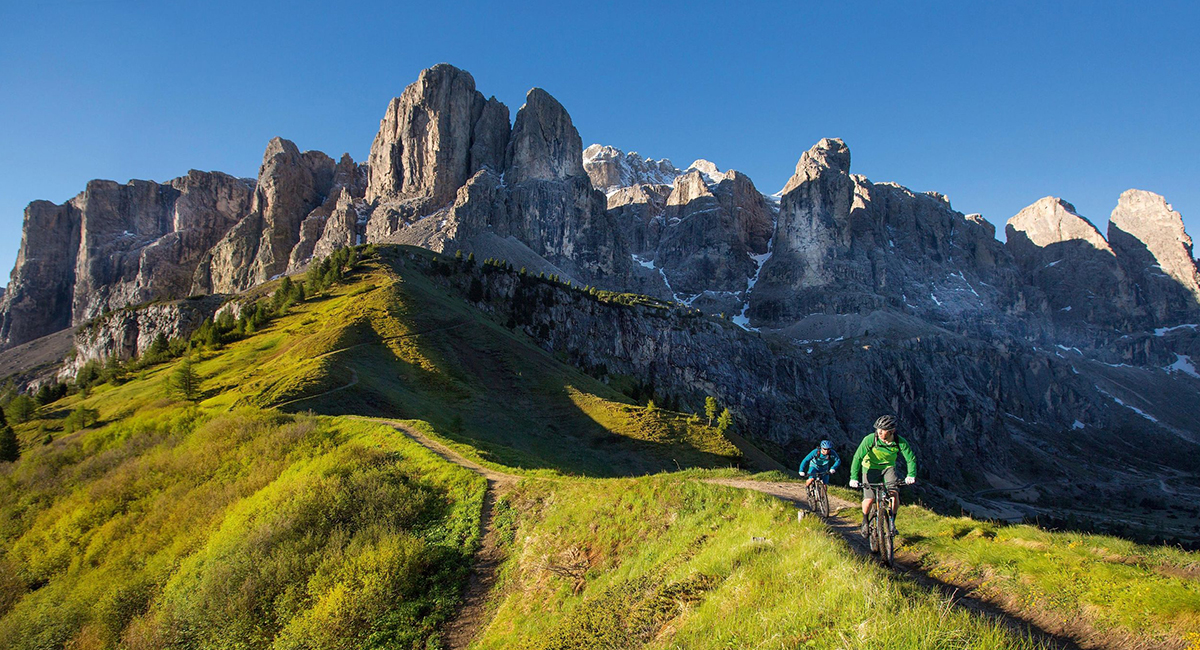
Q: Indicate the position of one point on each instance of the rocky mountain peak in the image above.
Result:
(290, 186)
(828, 154)
(1051, 220)
(708, 169)
(424, 148)
(612, 169)
(1150, 238)
(544, 144)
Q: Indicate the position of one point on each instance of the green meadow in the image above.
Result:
(275, 508)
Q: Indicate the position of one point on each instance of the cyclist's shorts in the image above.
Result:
(823, 477)
(886, 476)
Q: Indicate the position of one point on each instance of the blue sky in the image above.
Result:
(993, 104)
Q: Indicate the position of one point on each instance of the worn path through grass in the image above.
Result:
(470, 619)
(465, 625)
(796, 494)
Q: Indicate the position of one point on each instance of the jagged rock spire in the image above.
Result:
(434, 136)
(544, 143)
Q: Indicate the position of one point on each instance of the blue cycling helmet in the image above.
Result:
(825, 444)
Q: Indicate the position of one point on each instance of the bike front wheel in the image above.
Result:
(887, 543)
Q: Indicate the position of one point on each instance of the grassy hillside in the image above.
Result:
(1090, 586)
(227, 523)
(392, 343)
(267, 513)
(177, 527)
(661, 562)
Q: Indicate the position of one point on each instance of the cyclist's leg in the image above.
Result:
(869, 476)
(893, 487)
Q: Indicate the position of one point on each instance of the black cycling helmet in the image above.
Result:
(886, 423)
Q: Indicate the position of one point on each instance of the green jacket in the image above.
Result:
(877, 454)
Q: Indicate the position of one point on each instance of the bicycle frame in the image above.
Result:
(818, 499)
(879, 490)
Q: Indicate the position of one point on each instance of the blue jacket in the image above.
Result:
(814, 462)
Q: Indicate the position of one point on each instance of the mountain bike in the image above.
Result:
(883, 522)
(818, 495)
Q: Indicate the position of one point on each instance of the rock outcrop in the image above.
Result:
(552, 207)
(338, 222)
(527, 194)
(41, 290)
(700, 239)
(432, 138)
(127, 333)
(291, 187)
(115, 245)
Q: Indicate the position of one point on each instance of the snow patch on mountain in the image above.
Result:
(1183, 363)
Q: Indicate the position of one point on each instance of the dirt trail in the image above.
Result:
(796, 494)
(461, 630)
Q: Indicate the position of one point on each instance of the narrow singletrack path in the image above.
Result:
(353, 373)
(796, 494)
(461, 630)
(465, 625)
(353, 382)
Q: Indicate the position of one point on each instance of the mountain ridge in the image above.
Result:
(976, 343)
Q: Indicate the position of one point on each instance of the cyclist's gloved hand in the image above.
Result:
(832, 471)
(909, 480)
(853, 483)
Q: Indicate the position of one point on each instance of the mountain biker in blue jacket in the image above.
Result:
(820, 462)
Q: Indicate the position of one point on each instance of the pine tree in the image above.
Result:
(81, 418)
(158, 349)
(710, 409)
(22, 408)
(725, 421)
(10, 447)
(184, 382)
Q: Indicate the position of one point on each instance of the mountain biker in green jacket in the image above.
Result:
(875, 462)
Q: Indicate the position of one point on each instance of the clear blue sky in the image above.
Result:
(993, 104)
